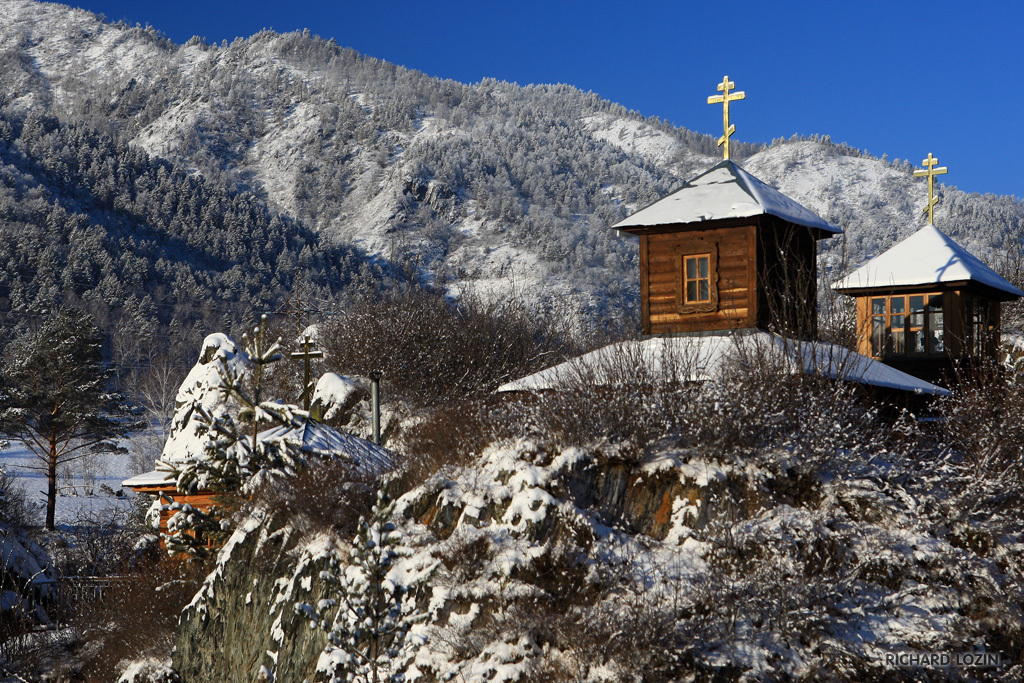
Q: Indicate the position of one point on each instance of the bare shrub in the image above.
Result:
(619, 395)
(983, 425)
(136, 617)
(759, 405)
(326, 494)
(450, 435)
(432, 350)
(13, 507)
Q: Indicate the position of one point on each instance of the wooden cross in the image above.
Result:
(931, 172)
(724, 99)
(307, 354)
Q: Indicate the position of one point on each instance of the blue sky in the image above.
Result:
(900, 78)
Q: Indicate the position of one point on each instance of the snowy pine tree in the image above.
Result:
(369, 636)
(56, 396)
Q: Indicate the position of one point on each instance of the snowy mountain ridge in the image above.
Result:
(490, 186)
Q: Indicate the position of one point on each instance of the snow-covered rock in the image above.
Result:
(202, 387)
(336, 395)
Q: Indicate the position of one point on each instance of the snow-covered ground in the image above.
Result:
(87, 489)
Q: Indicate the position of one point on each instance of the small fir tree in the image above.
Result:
(234, 457)
(369, 638)
(56, 398)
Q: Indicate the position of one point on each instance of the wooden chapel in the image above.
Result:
(727, 252)
(927, 304)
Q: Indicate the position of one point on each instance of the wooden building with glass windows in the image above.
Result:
(927, 304)
(727, 252)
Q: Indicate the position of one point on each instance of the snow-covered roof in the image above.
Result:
(316, 438)
(927, 257)
(702, 358)
(154, 478)
(312, 438)
(724, 191)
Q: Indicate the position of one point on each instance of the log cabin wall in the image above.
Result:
(788, 276)
(733, 280)
(168, 495)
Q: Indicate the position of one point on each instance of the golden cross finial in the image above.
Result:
(724, 99)
(931, 172)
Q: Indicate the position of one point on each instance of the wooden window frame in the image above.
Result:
(914, 323)
(709, 250)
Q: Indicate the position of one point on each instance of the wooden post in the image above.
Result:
(307, 354)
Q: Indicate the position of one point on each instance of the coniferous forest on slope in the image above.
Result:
(203, 184)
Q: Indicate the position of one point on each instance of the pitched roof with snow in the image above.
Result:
(316, 438)
(310, 438)
(703, 358)
(724, 191)
(927, 257)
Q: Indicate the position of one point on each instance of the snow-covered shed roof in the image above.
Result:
(927, 257)
(316, 438)
(153, 478)
(724, 191)
(312, 438)
(702, 358)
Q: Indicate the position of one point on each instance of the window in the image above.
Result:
(907, 325)
(697, 279)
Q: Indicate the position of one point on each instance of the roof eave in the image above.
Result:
(973, 286)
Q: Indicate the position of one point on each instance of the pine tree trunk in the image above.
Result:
(51, 485)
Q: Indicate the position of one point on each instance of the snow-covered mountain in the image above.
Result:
(489, 186)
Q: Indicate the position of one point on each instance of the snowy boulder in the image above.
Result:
(202, 387)
(335, 396)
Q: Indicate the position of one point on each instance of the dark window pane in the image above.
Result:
(877, 336)
(878, 306)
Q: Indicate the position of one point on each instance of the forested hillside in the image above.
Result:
(200, 183)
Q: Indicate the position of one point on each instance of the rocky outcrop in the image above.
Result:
(520, 498)
(502, 538)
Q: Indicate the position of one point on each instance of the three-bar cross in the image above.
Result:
(930, 171)
(307, 354)
(724, 99)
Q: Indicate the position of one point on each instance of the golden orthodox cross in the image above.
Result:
(724, 99)
(931, 172)
(307, 354)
